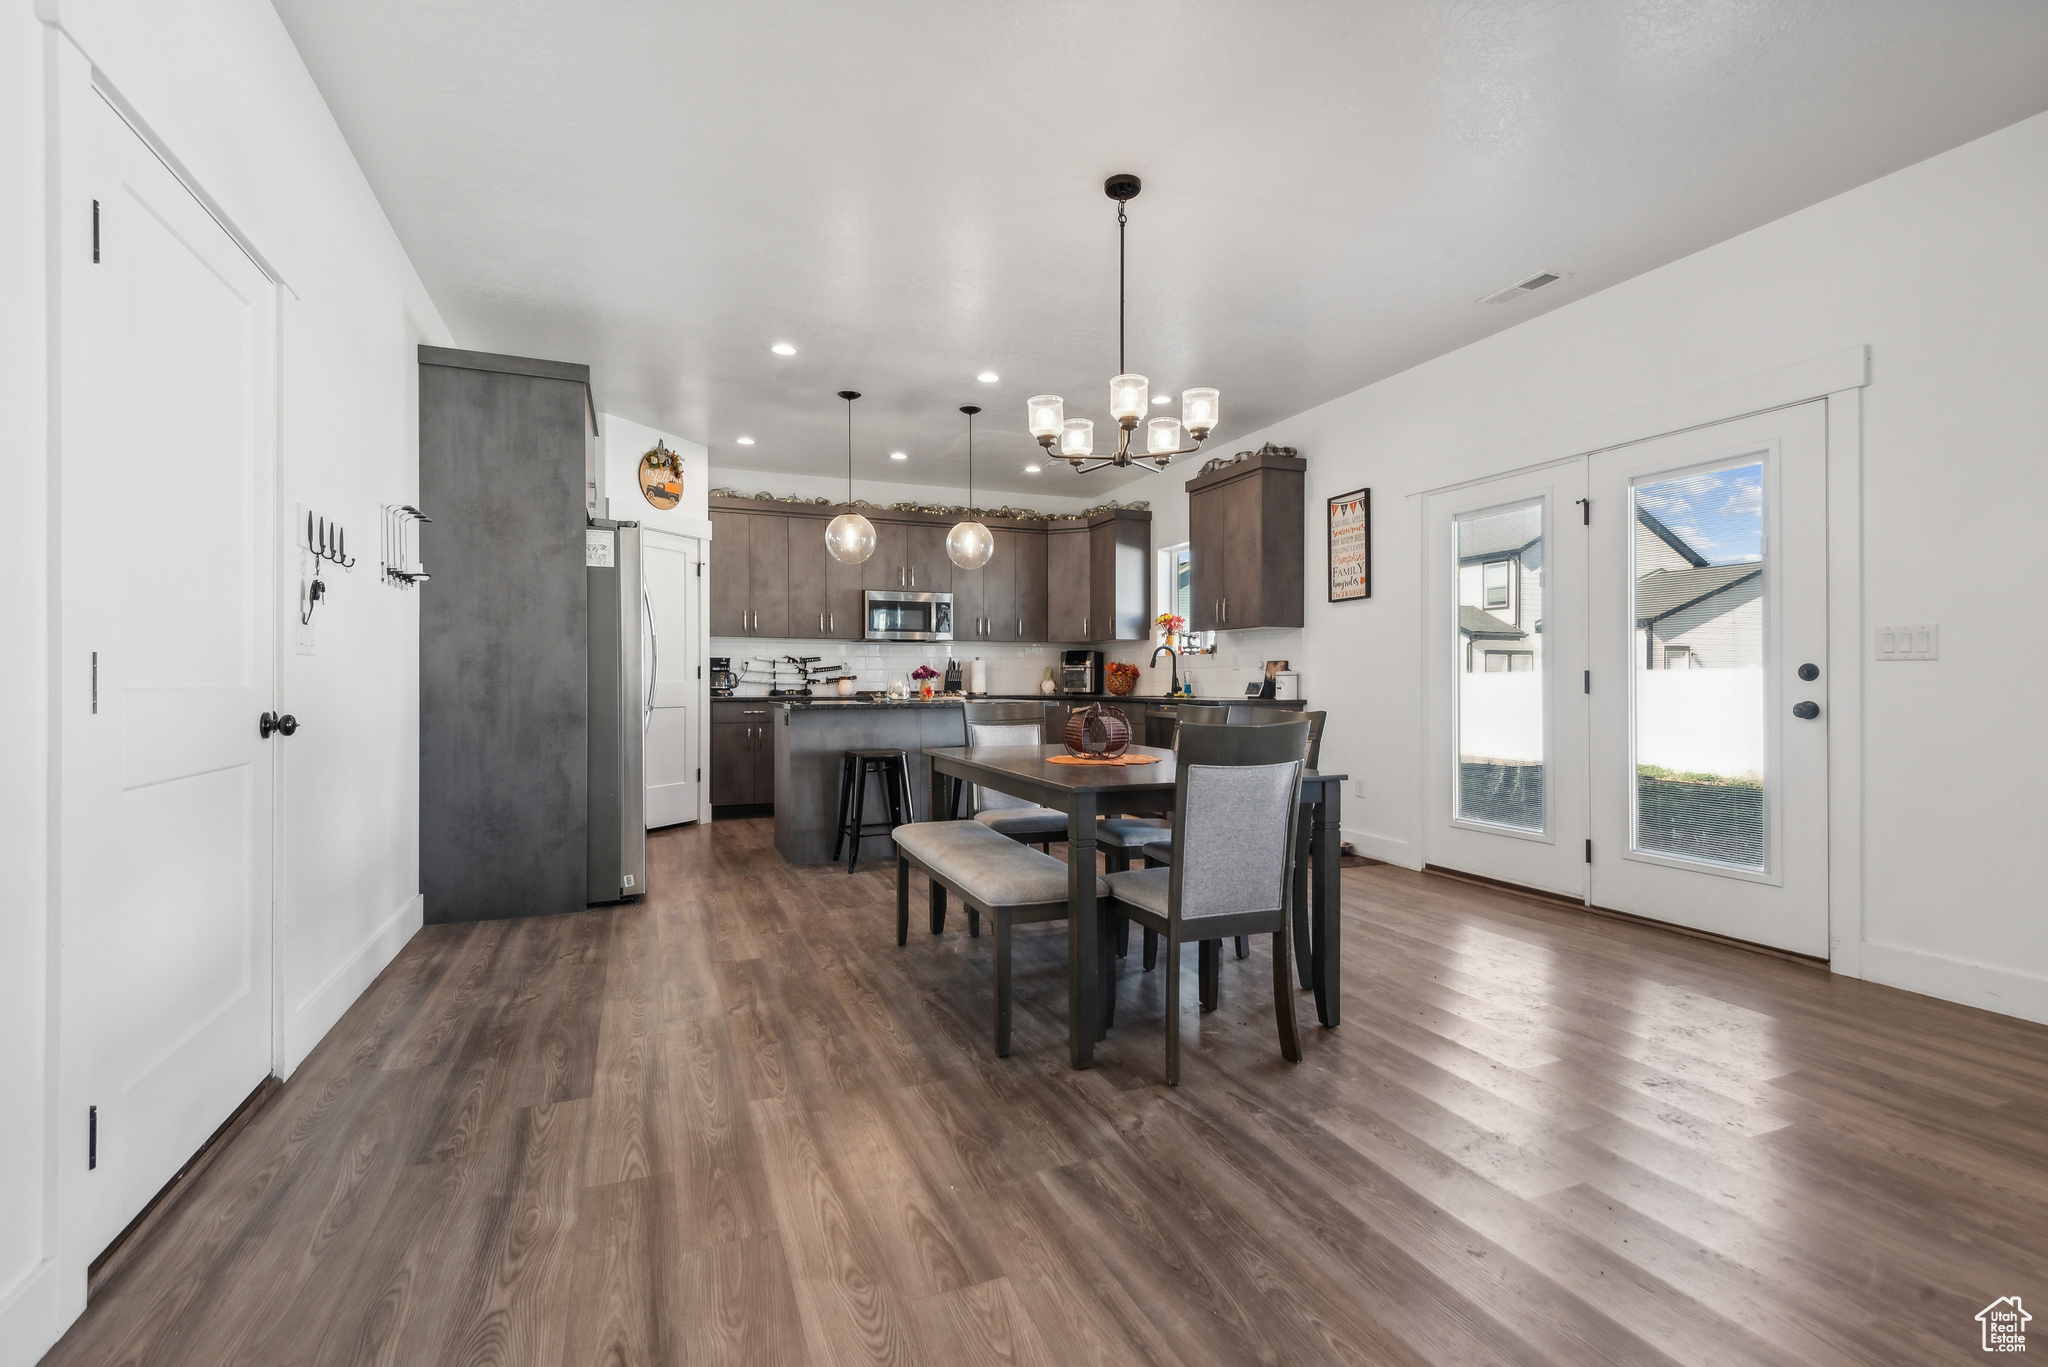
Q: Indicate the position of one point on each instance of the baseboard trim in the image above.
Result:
(28, 1317)
(1968, 983)
(1389, 849)
(316, 1013)
(132, 1240)
(1563, 903)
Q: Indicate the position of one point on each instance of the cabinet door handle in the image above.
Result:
(821, 622)
(913, 576)
(835, 621)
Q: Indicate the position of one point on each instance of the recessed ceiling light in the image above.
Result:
(1032, 469)
(783, 349)
(744, 441)
(988, 377)
(1162, 398)
(899, 455)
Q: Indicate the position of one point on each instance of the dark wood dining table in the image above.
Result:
(1086, 791)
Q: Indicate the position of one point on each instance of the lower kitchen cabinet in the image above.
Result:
(742, 753)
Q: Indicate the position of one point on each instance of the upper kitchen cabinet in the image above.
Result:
(909, 557)
(824, 595)
(1028, 581)
(1066, 578)
(1099, 577)
(1245, 541)
(749, 572)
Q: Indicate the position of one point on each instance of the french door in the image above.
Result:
(1627, 695)
(1506, 776)
(170, 562)
(1710, 677)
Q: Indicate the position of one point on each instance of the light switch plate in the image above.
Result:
(1909, 643)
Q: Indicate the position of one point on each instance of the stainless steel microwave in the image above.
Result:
(896, 615)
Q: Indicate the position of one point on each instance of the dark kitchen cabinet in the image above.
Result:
(970, 589)
(1028, 581)
(742, 753)
(1245, 538)
(1066, 577)
(999, 586)
(824, 595)
(749, 569)
(1119, 578)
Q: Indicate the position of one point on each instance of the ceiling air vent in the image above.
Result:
(1521, 287)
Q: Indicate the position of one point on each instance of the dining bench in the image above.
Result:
(992, 875)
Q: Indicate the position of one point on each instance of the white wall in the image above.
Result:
(217, 84)
(1938, 268)
(621, 444)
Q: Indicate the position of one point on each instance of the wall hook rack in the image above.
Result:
(401, 566)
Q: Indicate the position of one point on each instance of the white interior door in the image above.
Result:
(1708, 611)
(169, 500)
(1505, 715)
(675, 712)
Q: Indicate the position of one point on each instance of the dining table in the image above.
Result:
(1086, 791)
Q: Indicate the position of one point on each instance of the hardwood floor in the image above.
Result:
(741, 1125)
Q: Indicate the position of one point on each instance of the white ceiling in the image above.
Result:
(910, 192)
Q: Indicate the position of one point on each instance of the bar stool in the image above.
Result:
(855, 766)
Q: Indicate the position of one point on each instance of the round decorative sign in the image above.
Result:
(661, 477)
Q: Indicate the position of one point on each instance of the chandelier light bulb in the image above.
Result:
(1077, 438)
(1046, 413)
(850, 539)
(1162, 435)
(1199, 410)
(1129, 396)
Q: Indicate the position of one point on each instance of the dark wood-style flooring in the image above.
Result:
(739, 1124)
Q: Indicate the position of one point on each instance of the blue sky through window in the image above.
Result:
(1719, 513)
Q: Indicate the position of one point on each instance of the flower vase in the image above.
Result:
(924, 690)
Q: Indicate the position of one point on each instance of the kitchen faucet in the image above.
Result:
(1174, 656)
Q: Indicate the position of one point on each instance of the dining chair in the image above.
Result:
(1236, 791)
(1158, 851)
(1011, 723)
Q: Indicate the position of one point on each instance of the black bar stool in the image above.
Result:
(893, 768)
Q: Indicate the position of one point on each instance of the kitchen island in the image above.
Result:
(812, 734)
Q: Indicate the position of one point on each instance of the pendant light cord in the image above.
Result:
(1120, 221)
(970, 465)
(849, 453)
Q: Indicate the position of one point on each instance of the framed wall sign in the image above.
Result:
(1351, 546)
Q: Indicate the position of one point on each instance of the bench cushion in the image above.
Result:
(1142, 888)
(992, 869)
(1160, 851)
(1021, 822)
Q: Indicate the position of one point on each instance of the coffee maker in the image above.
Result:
(1080, 671)
(723, 681)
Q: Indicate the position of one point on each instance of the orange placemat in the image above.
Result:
(1120, 759)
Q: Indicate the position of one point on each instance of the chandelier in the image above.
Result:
(849, 537)
(970, 544)
(1130, 396)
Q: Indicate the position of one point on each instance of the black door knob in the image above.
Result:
(265, 724)
(1809, 672)
(288, 724)
(1806, 711)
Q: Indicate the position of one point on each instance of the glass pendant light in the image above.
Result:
(1129, 395)
(1162, 436)
(849, 537)
(969, 544)
(1077, 437)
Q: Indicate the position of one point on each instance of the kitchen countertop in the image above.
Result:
(1148, 700)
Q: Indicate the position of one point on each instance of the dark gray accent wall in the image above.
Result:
(503, 621)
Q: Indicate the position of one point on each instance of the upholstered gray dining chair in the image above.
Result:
(1011, 723)
(1236, 793)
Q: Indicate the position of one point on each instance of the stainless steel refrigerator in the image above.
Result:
(618, 711)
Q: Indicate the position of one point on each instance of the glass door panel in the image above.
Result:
(1500, 673)
(1696, 622)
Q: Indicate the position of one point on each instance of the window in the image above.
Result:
(1678, 657)
(1511, 662)
(1496, 580)
(1181, 578)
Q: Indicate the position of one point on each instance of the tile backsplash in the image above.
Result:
(1239, 659)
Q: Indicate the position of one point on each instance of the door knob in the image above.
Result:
(1806, 711)
(1809, 672)
(285, 725)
